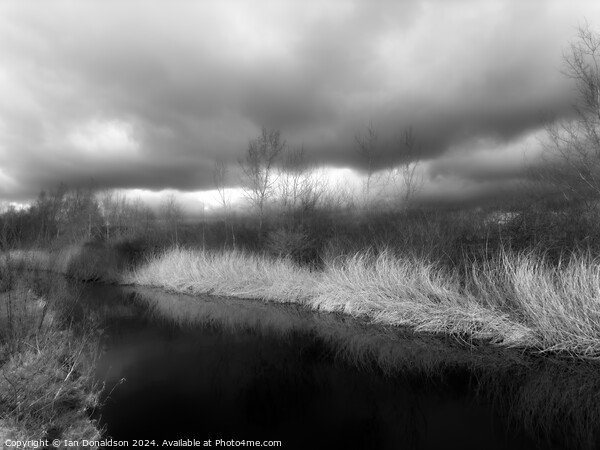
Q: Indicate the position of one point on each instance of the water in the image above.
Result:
(209, 368)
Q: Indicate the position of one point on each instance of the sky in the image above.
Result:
(146, 96)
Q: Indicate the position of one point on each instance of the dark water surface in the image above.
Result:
(210, 368)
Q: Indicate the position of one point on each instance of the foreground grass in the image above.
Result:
(515, 300)
(47, 386)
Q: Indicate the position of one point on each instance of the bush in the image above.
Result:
(294, 244)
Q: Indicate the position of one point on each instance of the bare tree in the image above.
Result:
(140, 217)
(573, 144)
(79, 215)
(368, 147)
(403, 177)
(172, 214)
(107, 211)
(258, 169)
(219, 178)
(406, 176)
(49, 212)
(301, 186)
(120, 216)
(219, 175)
(290, 179)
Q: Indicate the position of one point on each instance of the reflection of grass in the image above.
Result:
(515, 300)
(557, 401)
(47, 372)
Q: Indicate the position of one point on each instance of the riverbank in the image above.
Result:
(515, 300)
(512, 300)
(47, 388)
(388, 296)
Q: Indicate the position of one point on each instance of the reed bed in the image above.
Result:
(515, 300)
(561, 303)
(234, 274)
(414, 293)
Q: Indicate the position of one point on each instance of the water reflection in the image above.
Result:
(215, 368)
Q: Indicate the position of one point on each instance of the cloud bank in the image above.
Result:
(149, 94)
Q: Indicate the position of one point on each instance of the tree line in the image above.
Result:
(66, 215)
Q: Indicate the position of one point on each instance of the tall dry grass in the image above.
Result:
(512, 299)
(516, 300)
(561, 303)
(415, 293)
(234, 273)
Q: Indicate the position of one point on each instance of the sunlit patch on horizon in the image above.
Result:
(343, 175)
(15, 206)
(105, 138)
(192, 203)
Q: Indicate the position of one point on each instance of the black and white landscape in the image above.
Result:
(342, 224)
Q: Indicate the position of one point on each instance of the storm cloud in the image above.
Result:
(149, 94)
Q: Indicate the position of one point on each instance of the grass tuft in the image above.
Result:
(235, 274)
(561, 303)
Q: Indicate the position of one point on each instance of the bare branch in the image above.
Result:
(258, 169)
(573, 145)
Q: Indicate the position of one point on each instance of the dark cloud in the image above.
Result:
(148, 95)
